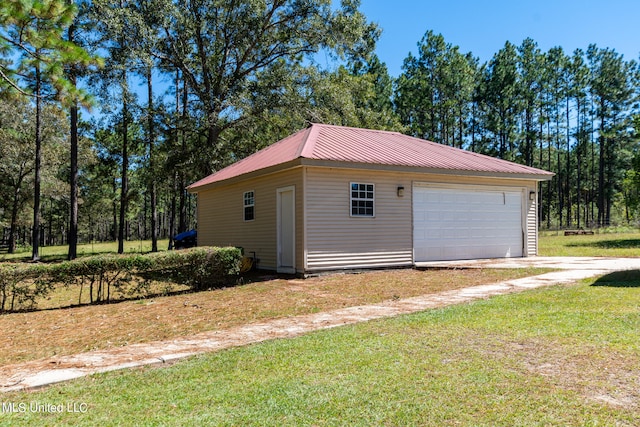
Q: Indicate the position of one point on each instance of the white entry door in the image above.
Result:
(286, 229)
(466, 222)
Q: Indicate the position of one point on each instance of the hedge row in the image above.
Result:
(199, 268)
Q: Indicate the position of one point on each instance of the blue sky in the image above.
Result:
(483, 27)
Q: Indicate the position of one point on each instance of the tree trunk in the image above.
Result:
(172, 218)
(559, 177)
(114, 212)
(579, 161)
(549, 195)
(35, 253)
(124, 188)
(592, 174)
(73, 170)
(14, 220)
(73, 181)
(172, 208)
(601, 189)
(541, 163)
(152, 180)
(601, 168)
(213, 136)
(568, 182)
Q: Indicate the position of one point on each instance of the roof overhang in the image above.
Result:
(431, 171)
(368, 166)
(255, 174)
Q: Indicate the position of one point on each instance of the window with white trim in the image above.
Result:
(362, 199)
(249, 206)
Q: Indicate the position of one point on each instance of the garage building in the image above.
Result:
(332, 197)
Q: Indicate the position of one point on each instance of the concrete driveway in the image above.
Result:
(563, 263)
(39, 373)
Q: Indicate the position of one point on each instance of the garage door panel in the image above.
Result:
(462, 223)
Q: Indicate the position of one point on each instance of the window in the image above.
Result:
(249, 206)
(362, 199)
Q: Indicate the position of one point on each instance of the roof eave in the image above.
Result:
(420, 169)
(193, 189)
(370, 166)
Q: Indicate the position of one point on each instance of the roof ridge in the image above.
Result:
(308, 144)
(356, 128)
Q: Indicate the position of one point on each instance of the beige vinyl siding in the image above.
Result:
(221, 217)
(336, 240)
(327, 236)
(531, 234)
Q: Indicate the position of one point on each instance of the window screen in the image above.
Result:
(249, 206)
(362, 198)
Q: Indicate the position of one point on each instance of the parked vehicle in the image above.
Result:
(188, 239)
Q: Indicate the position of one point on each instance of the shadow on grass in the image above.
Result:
(609, 244)
(620, 279)
(254, 276)
(112, 300)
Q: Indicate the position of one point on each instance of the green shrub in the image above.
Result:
(199, 268)
(20, 286)
(105, 275)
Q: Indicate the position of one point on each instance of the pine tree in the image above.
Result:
(579, 80)
(501, 102)
(34, 34)
(611, 88)
(530, 65)
(434, 92)
(120, 26)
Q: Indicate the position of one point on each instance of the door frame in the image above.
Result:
(279, 232)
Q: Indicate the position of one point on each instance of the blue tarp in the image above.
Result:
(191, 234)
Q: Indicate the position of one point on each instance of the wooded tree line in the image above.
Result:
(179, 89)
(572, 114)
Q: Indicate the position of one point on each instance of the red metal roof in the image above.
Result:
(354, 145)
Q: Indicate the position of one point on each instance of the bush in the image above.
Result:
(21, 286)
(198, 268)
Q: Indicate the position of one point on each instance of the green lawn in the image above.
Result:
(59, 253)
(604, 244)
(566, 355)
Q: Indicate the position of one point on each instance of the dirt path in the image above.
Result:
(35, 374)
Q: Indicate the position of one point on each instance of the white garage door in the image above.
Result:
(466, 223)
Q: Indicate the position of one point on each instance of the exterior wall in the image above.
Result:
(336, 240)
(327, 237)
(221, 217)
(531, 235)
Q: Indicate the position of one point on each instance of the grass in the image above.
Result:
(59, 253)
(607, 245)
(40, 334)
(566, 355)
